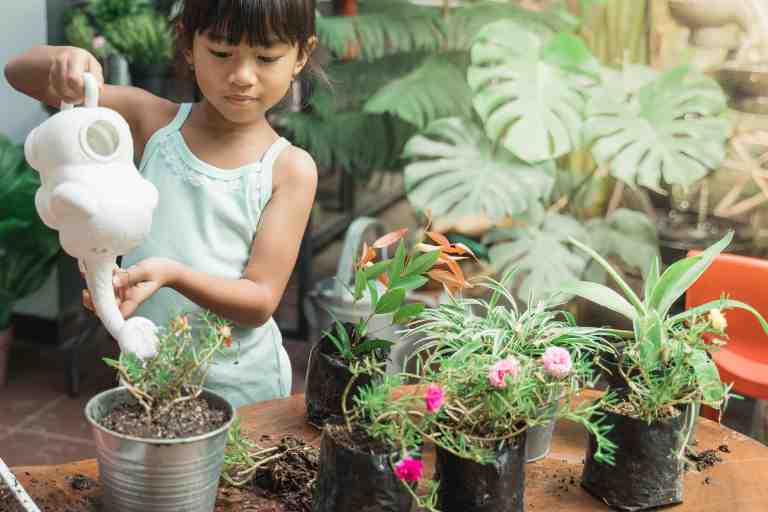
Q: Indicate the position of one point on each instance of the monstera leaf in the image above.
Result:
(627, 234)
(668, 129)
(542, 253)
(455, 172)
(530, 90)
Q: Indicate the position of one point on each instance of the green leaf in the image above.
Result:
(625, 288)
(390, 301)
(343, 338)
(526, 90)
(373, 291)
(454, 171)
(676, 280)
(542, 253)
(412, 282)
(111, 362)
(722, 304)
(602, 295)
(398, 263)
(422, 263)
(376, 269)
(360, 282)
(369, 346)
(408, 311)
(708, 377)
(651, 278)
(672, 128)
(650, 340)
(437, 89)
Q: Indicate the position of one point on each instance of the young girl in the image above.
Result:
(235, 198)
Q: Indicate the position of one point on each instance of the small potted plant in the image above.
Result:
(662, 375)
(476, 407)
(160, 438)
(385, 283)
(463, 325)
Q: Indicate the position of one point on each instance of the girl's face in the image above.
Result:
(242, 82)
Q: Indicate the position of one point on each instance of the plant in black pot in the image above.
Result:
(476, 407)
(384, 284)
(28, 249)
(662, 375)
(160, 438)
(462, 326)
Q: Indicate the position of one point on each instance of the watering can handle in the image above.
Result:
(91, 93)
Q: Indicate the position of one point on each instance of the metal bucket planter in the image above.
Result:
(17, 491)
(161, 475)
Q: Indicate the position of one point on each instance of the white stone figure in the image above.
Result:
(93, 195)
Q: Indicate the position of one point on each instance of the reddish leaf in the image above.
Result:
(439, 238)
(448, 279)
(452, 266)
(459, 249)
(427, 247)
(384, 279)
(390, 238)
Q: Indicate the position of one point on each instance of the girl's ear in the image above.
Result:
(305, 55)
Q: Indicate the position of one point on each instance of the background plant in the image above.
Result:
(28, 248)
(178, 371)
(666, 360)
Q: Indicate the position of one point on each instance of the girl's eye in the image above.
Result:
(269, 60)
(220, 55)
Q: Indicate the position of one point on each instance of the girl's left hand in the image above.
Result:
(138, 282)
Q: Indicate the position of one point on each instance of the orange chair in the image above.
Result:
(744, 360)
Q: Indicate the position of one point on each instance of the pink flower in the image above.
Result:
(557, 362)
(434, 398)
(497, 373)
(98, 42)
(409, 469)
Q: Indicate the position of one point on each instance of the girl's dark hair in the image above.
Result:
(258, 22)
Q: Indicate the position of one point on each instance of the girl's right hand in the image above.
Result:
(66, 73)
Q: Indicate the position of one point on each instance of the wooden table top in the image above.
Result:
(737, 484)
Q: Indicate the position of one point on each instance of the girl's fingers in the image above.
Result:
(87, 302)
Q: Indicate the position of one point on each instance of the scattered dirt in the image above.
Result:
(287, 475)
(81, 482)
(186, 419)
(356, 440)
(705, 459)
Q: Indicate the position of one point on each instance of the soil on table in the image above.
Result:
(287, 474)
(357, 440)
(185, 419)
(705, 459)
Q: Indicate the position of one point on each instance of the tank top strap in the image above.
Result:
(174, 126)
(267, 163)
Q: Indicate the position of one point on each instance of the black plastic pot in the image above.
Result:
(357, 480)
(647, 473)
(327, 377)
(466, 486)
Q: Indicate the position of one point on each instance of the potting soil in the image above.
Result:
(185, 419)
(8, 501)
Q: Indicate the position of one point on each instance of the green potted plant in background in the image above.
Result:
(160, 437)
(462, 326)
(384, 284)
(28, 248)
(477, 405)
(662, 374)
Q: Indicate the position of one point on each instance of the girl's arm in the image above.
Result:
(252, 299)
(53, 74)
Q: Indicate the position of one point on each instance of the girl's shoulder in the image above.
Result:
(294, 167)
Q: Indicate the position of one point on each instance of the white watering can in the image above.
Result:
(93, 195)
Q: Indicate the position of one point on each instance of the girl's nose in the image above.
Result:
(245, 74)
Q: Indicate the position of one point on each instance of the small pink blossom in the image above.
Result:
(98, 42)
(409, 469)
(434, 398)
(557, 362)
(497, 373)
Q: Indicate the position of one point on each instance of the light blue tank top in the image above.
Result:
(207, 219)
